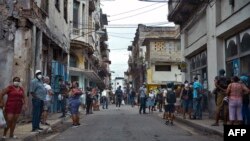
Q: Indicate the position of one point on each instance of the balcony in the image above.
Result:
(92, 4)
(181, 11)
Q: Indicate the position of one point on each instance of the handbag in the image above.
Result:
(2, 119)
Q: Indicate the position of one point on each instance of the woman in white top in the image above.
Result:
(151, 101)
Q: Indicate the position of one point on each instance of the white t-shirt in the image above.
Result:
(48, 88)
(105, 93)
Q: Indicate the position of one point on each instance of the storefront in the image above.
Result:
(238, 54)
(198, 67)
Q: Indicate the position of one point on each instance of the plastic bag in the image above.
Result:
(83, 99)
(2, 119)
(60, 97)
(123, 102)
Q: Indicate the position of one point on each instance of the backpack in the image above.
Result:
(118, 93)
(171, 97)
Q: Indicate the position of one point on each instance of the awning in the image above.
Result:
(90, 74)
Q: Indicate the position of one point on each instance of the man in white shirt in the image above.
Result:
(48, 99)
(105, 100)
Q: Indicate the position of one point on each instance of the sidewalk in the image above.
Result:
(201, 125)
(23, 130)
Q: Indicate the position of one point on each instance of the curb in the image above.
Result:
(34, 136)
(200, 127)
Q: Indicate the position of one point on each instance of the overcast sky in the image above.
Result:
(128, 13)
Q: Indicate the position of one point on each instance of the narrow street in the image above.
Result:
(125, 124)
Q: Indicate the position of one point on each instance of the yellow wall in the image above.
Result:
(149, 76)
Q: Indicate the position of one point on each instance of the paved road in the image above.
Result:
(126, 124)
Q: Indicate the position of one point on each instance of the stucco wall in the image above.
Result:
(165, 50)
(227, 9)
(163, 76)
(197, 30)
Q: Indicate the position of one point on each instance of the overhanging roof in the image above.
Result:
(90, 74)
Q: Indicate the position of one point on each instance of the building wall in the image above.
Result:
(165, 50)
(161, 77)
(196, 31)
(57, 24)
(117, 83)
(222, 23)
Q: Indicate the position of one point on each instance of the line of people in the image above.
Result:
(71, 96)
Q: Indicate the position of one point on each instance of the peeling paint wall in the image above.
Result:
(7, 36)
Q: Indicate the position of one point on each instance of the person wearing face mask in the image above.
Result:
(38, 93)
(14, 104)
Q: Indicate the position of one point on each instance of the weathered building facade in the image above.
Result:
(34, 35)
(89, 63)
(58, 37)
(214, 35)
(156, 55)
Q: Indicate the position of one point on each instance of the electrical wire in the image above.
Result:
(120, 37)
(155, 8)
(132, 10)
(119, 49)
(119, 33)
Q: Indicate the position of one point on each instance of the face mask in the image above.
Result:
(15, 83)
(39, 76)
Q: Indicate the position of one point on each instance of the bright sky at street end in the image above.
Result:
(124, 17)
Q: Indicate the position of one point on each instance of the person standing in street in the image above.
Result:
(14, 104)
(132, 96)
(74, 103)
(143, 98)
(38, 93)
(64, 95)
(159, 99)
(48, 100)
(104, 98)
(197, 98)
(170, 104)
(221, 87)
(245, 101)
(118, 94)
(88, 100)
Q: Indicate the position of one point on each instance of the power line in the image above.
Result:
(155, 8)
(119, 33)
(120, 37)
(133, 10)
(136, 26)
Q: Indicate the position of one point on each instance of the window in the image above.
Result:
(245, 64)
(231, 49)
(45, 6)
(86, 65)
(65, 10)
(245, 43)
(83, 13)
(57, 5)
(73, 61)
(162, 67)
(238, 54)
(75, 14)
